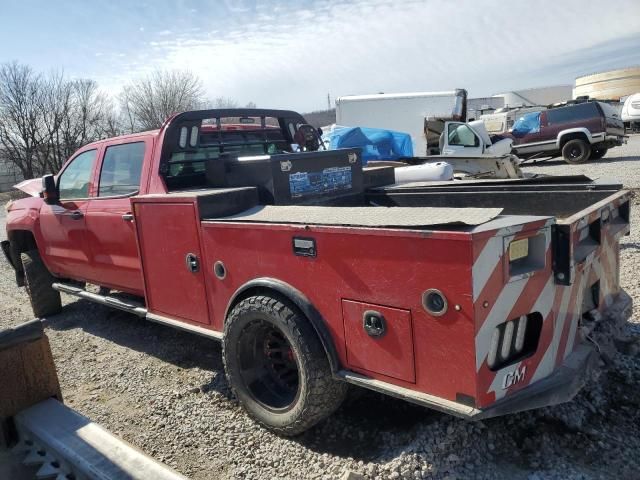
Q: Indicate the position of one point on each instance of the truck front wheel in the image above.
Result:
(45, 300)
(576, 151)
(276, 366)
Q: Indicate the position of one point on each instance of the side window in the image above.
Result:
(572, 113)
(121, 168)
(73, 182)
(462, 135)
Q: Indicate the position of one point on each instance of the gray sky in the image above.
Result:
(287, 54)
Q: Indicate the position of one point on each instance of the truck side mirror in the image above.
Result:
(50, 190)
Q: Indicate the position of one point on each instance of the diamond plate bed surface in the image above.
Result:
(365, 216)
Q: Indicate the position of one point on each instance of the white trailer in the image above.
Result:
(402, 112)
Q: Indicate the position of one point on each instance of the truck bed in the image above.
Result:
(406, 217)
(560, 197)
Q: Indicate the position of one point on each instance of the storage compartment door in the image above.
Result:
(172, 260)
(379, 339)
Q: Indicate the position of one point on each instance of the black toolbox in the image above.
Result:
(295, 178)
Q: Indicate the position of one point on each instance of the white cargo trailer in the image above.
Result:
(402, 112)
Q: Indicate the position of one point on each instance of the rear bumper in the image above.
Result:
(559, 387)
(615, 140)
(568, 379)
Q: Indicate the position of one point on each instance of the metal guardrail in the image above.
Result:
(65, 445)
(48, 439)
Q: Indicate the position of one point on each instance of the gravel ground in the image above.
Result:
(165, 392)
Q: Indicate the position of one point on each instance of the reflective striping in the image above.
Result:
(488, 259)
(508, 298)
(509, 295)
(498, 314)
(546, 363)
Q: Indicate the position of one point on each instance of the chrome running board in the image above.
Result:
(136, 308)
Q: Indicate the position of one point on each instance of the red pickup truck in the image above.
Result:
(474, 298)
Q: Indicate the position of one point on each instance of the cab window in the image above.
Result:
(121, 169)
(462, 135)
(73, 182)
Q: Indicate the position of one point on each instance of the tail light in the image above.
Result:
(514, 340)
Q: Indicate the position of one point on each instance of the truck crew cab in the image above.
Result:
(474, 298)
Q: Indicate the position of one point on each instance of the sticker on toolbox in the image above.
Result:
(333, 179)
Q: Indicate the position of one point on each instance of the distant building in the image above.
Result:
(610, 85)
(478, 106)
(537, 96)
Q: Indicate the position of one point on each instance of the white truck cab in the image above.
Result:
(462, 139)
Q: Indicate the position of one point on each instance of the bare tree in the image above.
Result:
(19, 116)
(147, 103)
(44, 119)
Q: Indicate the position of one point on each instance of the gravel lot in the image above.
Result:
(165, 392)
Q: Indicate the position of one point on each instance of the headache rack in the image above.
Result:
(190, 132)
(193, 139)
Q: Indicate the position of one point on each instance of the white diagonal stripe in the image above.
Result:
(498, 314)
(488, 259)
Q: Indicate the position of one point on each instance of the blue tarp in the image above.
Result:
(376, 144)
(528, 123)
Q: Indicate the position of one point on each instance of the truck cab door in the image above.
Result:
(459, 140)
(62, 232)
(111, 232)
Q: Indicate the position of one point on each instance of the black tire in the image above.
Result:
(287, 388)
(45, 301)
(598, 152)
(576, 151)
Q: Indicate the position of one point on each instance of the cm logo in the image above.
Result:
(514, 377)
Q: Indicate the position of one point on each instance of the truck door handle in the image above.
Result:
(127, 217)
(193, 264)
(77, 215)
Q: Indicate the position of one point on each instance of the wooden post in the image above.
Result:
(27, 373)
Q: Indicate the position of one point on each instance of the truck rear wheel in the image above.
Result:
(277, 367)
(576, 151)
(598, 152)
(45, 300)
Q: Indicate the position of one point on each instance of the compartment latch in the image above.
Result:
(193, 264)
(374, 324)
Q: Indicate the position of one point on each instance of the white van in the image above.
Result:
(631, 112)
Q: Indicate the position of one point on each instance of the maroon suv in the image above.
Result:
(578, 132)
